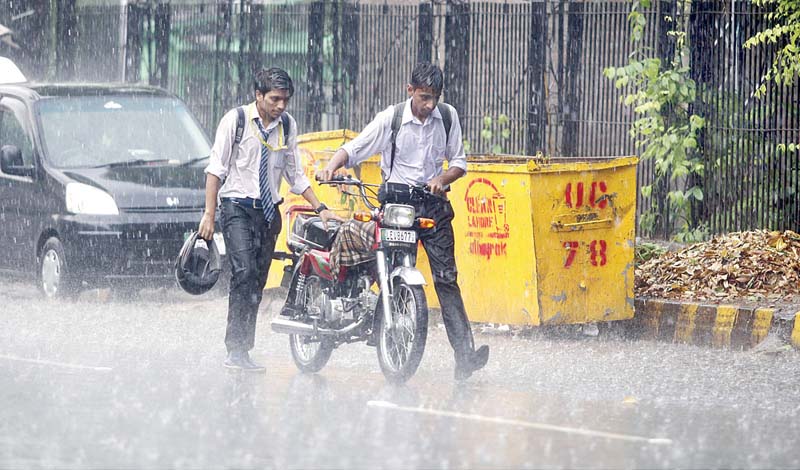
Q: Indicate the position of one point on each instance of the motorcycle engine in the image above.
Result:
(368, 300)
(348, 309)
(333, 310)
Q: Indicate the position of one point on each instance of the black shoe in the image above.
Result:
(240, 360)
(252, 366)
(476, 361)
(235, 360)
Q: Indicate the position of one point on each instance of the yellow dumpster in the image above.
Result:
(546, 242)
(537, 241)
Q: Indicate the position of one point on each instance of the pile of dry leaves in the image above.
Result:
(742, 265)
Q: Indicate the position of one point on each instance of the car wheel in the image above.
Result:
(55, 280)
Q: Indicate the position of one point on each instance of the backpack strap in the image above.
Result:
(447, 120)
(286, 126)
(239, 125)
(237, 137)
(397, 120)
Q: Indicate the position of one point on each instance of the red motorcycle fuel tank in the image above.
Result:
(319, 263)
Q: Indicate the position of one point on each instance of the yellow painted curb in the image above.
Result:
(684, 328)
(723, 325)
(652, 318)
(762, 321)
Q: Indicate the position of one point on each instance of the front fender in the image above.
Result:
(411, 276)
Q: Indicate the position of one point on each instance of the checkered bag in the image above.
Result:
(353, 244)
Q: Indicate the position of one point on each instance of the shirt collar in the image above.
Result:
(408, 116)
(252, 113)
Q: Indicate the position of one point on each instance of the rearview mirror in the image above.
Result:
(11, 161)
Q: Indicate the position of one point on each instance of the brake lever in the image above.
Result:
(426, 191)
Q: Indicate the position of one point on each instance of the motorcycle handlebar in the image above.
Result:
(340, 179)
(421, 191)
(349, 180)
(425, 191)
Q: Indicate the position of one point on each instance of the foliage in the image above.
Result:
(494, 133)
(660, 95)
(784, 32)
(645, 251)
(784, 17)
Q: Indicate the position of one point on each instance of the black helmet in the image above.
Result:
(198, 266)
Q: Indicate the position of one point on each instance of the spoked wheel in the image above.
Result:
(311, 354)
(400, 350)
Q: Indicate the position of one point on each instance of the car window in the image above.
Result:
(83, 131)
(12, 132)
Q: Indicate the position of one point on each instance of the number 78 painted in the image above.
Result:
(597, 252)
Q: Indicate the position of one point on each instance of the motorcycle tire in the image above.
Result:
(310, 357)
(410, 314)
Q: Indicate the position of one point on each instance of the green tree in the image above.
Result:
(660, 96)
(784, 32)
(784, 18)
(495, 133)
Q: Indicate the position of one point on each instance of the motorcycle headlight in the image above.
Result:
(85, 199)
(398, 215)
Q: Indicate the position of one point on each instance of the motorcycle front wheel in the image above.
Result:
(310, 356)
(400, 350)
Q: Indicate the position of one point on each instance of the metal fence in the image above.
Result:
(751, 182)
(539, 63)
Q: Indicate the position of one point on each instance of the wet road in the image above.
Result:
(106, 384)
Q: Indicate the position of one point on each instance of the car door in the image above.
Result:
(18, 194)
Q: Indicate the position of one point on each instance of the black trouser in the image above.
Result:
(250, 244)
(439, 244)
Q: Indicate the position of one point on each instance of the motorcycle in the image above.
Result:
(380, 300)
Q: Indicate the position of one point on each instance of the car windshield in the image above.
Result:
(93, 131)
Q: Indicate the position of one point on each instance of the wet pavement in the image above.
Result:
(99, 383)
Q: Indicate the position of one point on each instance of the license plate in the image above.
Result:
(402, 236)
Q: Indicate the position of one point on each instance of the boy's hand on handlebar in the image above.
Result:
(323, 175)
(328, 175)
(437, 186)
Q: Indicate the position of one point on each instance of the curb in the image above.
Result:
(721, 326)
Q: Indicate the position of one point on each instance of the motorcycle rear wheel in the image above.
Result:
(400, 352)
(310, 356)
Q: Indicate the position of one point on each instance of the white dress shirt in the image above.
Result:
(422, 148)
(241, 176)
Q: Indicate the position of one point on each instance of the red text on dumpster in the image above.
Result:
(575, 195)
(597, 252)
(487, 220)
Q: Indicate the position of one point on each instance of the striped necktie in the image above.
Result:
(263, 177)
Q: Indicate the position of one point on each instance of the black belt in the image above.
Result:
(246, 202)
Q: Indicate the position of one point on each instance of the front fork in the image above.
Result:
(383, 279)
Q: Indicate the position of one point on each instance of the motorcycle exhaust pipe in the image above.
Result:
(282, 325)
(286, 326)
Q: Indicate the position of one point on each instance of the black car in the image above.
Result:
(99, 184)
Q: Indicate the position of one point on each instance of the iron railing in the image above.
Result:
(540, 63)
